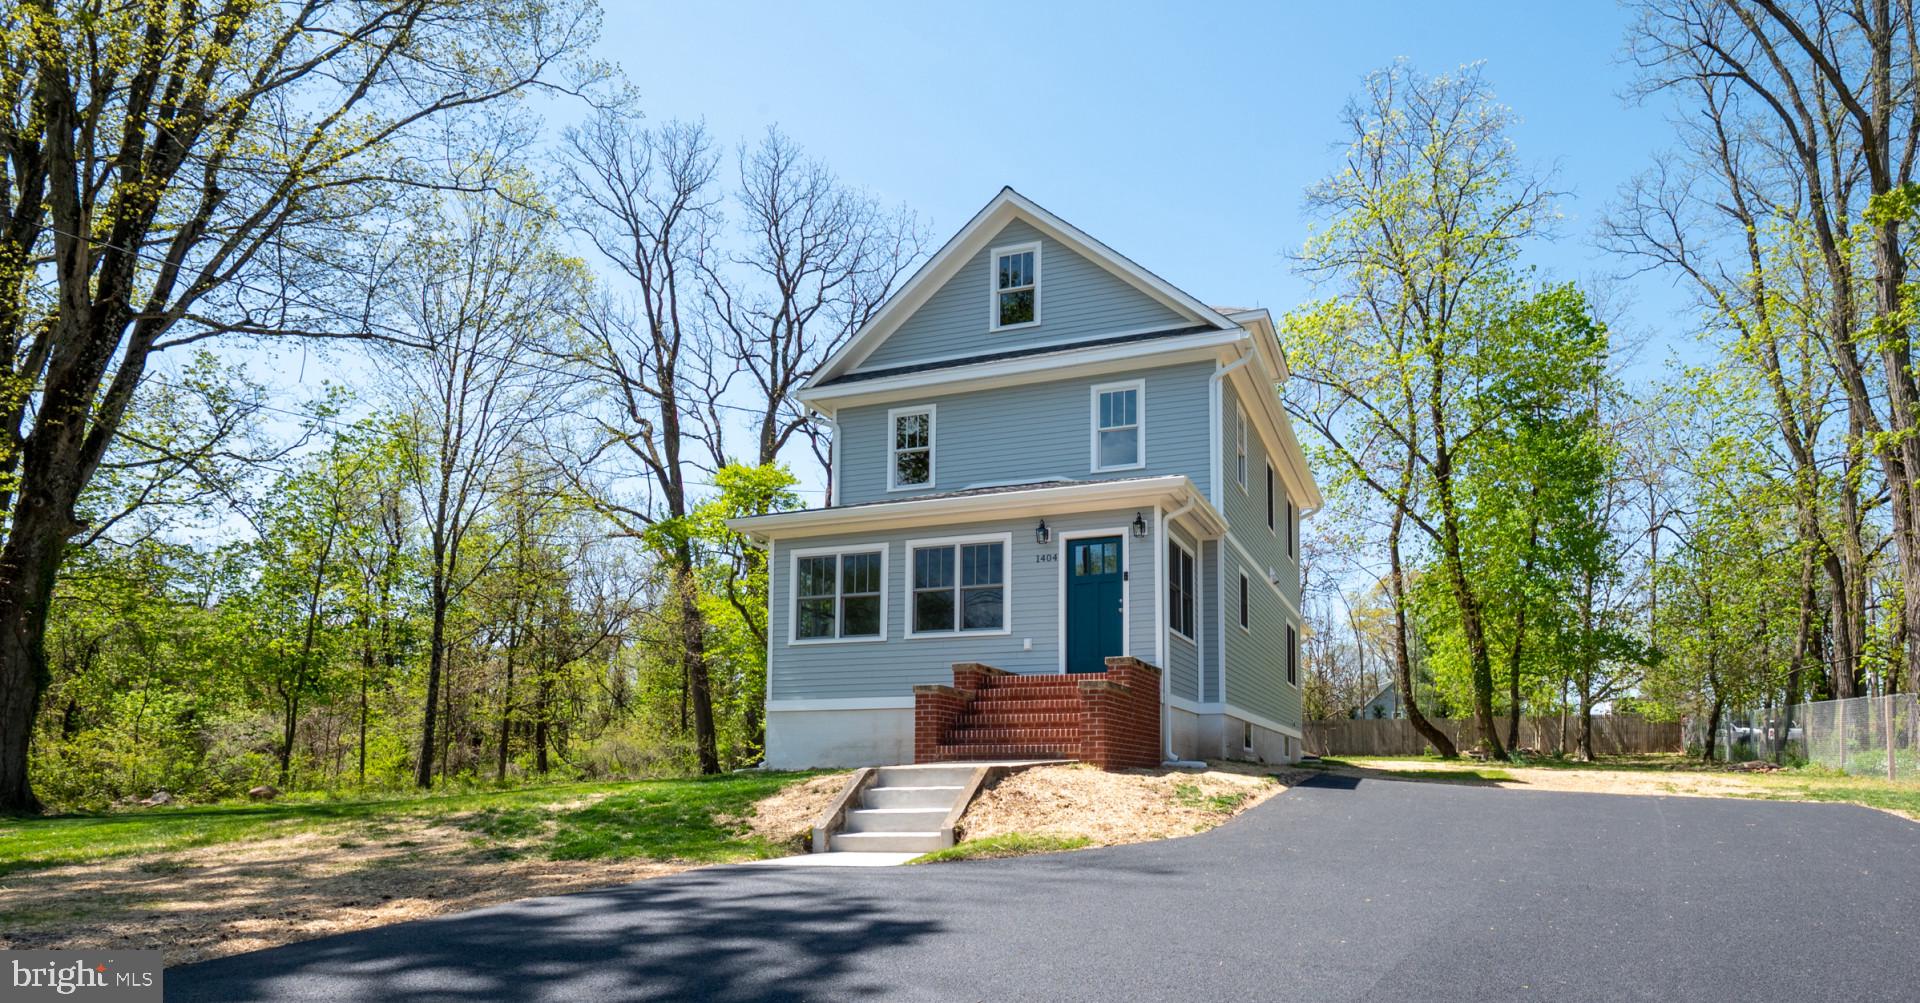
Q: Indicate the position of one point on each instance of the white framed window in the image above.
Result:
(959, 585)
(839, 594)
(1015, 286)
(1293, 656)
(1293, 529)
(1119, 426)
(1243, 603)
(1240, 445)
(910, 447)
(1180, 593)
(1270, 524)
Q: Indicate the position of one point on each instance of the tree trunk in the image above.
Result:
(436, 657)
(27, 565)
(506, 715)
(693, 641)
(1402, 665)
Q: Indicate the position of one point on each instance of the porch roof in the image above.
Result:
(1175, 493)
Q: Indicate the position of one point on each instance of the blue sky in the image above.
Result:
(1182, 135)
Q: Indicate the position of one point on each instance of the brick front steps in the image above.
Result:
(1110, 719)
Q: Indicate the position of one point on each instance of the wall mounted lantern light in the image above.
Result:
(1042, 534)
(1139, 527)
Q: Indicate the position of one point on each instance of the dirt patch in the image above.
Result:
(213, 901)
(787, 818)
(1129, 806)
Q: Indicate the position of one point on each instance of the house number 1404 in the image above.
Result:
(1044, 558)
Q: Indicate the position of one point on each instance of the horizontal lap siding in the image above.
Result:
(1256, 658)
(891, 668)
(1183, 656)
(1256, 669)
(1210, 621)
(1039, 431)
(1078, 300)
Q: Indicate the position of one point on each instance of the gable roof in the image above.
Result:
(1005, 207)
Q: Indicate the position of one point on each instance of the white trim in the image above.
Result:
(952, 256)
(1021, 369)
(794, 640)
(1220, 615)
(1006, 586)
(907, 512)
(1222, 707)
(1260, 719)
(833, 461)
(1240, 464)
(843, 703)
(1194, 638)
(994, 290)
(1061, 537)
(893, 438)
(1036, 348)
(1159, 592)
(1243, 605)
(766, 691)
(1139, 388)
(1272, 512)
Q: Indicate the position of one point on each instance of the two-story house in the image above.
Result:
(1044, 456)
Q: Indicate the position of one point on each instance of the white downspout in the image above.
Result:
(1166, 671)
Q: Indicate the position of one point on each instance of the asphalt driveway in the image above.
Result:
(1338, 890)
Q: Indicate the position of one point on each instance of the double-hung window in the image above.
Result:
(910, 448)
(1240, 446)
(1119, 425)
(1293, 528)
(839, 596)
(1243, 602)
(1016, 286)
(1293, 656)
(1180, 598)
(958, 586)
(1270, 525)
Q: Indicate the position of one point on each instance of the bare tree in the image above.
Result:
(479, 290)
(821, 258)
(176, 171)
(646, 200)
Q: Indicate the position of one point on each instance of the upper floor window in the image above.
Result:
(1180, 596)
(1270, 525)
(910, 457)
(1245, 607)
(958, 585)
(837, 596)
(1293, 528)
(1016, 286)
(1118, 421)
(1240, 446)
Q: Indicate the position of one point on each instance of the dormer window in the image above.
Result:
(1016, 286)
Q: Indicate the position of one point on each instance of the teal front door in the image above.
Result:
(1094, 590)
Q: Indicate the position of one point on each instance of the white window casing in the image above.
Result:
(913, 450)
(1240, 445)
(1013, 287)
(1119, 426)
(841, 586)
(970, 571)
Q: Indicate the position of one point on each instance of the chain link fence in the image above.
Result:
(1864, 736)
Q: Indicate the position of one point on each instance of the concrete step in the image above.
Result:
(895, 819)
(910, 797)
(934, 775)
(886, 842)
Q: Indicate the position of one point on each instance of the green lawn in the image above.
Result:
(655, 819)
(1012, 844)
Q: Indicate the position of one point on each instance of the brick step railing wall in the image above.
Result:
(1110, 719)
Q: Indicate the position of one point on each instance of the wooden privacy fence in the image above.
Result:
(1613, 735)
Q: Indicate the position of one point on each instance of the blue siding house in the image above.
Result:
(1043, 455)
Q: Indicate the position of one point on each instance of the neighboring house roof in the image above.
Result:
(1015, 353)
(1008, 205)
(997, 501)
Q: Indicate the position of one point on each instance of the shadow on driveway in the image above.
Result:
(704, 934)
